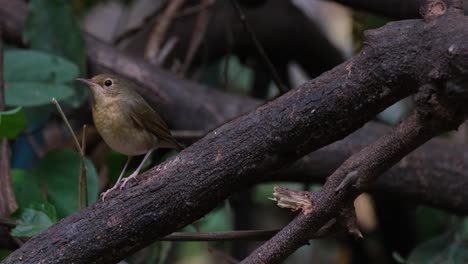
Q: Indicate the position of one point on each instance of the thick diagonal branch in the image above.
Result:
(315, 114)
(349, 180)
(193, 106)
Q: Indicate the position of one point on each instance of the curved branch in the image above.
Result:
(438, 111)
(350, 179)
(185, 188)
(184, 111)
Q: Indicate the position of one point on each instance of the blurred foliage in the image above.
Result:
(26, 188)
(12, 122)
(37, 76)
(32, 78)
(451, 247)
(49, 191)
(4, 253)
(61, 182)
(52, 27)
(33, 219)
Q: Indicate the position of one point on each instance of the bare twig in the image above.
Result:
(260, 48)
(83, 193)
(78, 147)
(188, 186)
(368, 164)
(239, 235)
(198, 34)
(166, 50)
(159, 31)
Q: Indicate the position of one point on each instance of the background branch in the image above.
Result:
(230, 157)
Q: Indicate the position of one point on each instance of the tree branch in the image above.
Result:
(364, 167)
(185, 188)
(437, 112)
(184, 111)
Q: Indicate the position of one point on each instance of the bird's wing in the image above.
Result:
(146, 118)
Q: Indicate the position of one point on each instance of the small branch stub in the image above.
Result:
(292, 199)
(433, 9)
(347, 218)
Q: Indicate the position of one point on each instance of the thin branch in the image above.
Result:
(198, 34)
(261, 50)
(83, 169)
(169, 45)
(158, 33)
(238, 235)
(188, 186)
(83, 192)
(358, 173)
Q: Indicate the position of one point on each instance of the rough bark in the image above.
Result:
(395, 60)
(440, 109)
(186, 98)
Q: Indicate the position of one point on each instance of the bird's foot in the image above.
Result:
(131, 177)
(104, 194)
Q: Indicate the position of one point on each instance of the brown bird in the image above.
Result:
(126, 122)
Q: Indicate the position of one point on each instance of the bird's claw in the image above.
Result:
(124, 181)
(104, 194)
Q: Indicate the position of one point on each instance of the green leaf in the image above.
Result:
(35, 93)
(450, 247)
(12, 122)
(4, 253)
(51, 26)
(33, 77)
(26, 188)
(59, 173)
(37, 66)
(33, 220)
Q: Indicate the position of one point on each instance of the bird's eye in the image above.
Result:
(108, 83)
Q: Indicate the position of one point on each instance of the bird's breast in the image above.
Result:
(120, 133)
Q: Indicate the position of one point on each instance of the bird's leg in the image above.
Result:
(104, 194)
(137, 171)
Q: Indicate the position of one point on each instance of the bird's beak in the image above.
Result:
(92, 85)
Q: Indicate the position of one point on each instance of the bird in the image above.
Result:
(126, 122)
